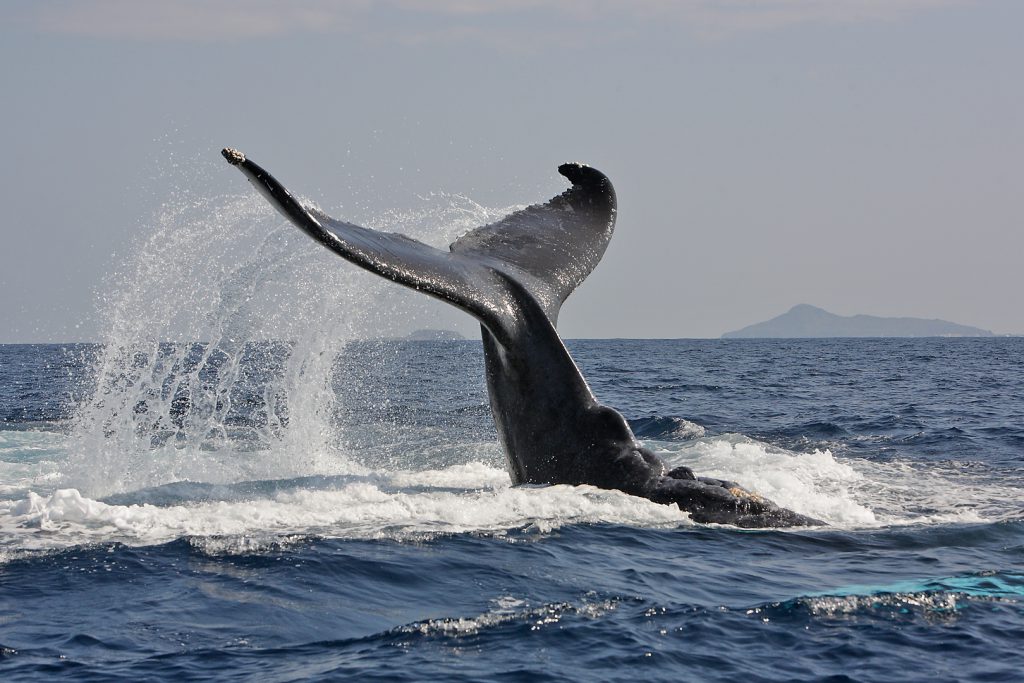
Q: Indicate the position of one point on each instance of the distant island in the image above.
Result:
(434, 335)
(805, 320)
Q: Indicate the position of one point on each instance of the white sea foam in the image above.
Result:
(815, 484)
(471, 497)
(472, 475)
(934, 493)
(360, 509)
(850, 492)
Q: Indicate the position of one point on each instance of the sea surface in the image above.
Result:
(166, 514)
(323, 508)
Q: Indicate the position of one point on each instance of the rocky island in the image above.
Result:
(434, 335)
(805, 320)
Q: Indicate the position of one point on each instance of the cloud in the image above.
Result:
(408, 21)
(192, 20)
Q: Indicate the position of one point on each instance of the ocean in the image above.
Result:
(325, 508)
(399, 551)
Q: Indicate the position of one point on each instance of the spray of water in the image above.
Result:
(223, 327)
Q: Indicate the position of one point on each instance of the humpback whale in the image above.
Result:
(513, 276)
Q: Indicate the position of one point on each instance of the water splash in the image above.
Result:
(223, 328)
(814, 484)
(403, 506)
(849, 492)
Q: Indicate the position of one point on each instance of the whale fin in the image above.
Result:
(459, 280)
(551, 248)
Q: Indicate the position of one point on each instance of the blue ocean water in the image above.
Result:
(237, 510)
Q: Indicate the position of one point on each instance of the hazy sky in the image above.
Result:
(865, 156)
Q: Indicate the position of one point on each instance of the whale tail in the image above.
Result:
(513, 276)
(547, 248)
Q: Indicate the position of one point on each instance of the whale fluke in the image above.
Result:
(549, 249)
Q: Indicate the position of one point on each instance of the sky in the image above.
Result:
(864, 156)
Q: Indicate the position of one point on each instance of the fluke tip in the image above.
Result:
(233, 156)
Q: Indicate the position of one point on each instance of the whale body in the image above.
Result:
(513, 277)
